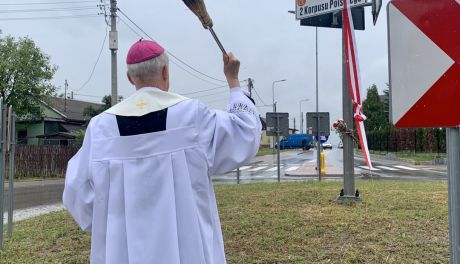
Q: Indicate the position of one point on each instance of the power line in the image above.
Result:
(50, 17)
(210, 77)
(206, 90)
(206, 95)
(170, 53)
(173, 62)
(48, 3)
(97, 61)
(194, 75)
(49, 9)
(260, 98)
(89, 95)
(124, 22)
(210, 89)
(214, 101)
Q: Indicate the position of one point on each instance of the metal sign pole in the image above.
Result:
(278, 144)
(348, 144)
(2, 166)
(11, 144)
(318, 141)
(238, 176)
(348, 154)
(453, 172)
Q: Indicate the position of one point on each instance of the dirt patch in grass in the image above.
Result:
(398, 222)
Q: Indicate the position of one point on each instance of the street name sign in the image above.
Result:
(424, 62)
(311, 8)
(334, 19)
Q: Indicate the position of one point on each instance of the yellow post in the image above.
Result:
(323, 162)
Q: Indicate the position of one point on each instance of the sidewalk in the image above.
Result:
(23, 214)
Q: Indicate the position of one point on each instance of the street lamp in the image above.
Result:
(273, 92)
(274, 107)
(301, 115)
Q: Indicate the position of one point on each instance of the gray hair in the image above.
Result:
(148, 70)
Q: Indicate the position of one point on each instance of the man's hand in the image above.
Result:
(231, 69)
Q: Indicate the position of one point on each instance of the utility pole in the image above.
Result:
(113, 46)
(250, 86)
(294, 125)
(66, 85)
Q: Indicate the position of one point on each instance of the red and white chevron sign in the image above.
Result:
(424, 54)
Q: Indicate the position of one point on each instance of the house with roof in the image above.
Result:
(61, 118)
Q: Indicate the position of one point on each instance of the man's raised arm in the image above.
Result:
(230, 139)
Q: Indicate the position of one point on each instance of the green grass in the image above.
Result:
(398, 222)
(411, 156)
(418, 157)
(265, 151)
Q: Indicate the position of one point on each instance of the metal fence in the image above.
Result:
(38, 161)
(421, 140)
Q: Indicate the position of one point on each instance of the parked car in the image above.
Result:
(340, 144)
(327, 146)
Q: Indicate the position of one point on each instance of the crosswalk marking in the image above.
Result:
(387, 168)
(405, 168)
(271, 168)
(367, 168)
(274, 168)
(258, 168)
(292, 168)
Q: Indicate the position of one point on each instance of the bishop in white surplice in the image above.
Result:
(141, 182)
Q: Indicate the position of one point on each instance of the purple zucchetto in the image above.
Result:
(143, 50)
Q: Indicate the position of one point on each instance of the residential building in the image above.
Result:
(61, 118)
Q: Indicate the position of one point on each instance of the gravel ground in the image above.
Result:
(23, 214)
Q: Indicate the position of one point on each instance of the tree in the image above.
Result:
(107, 100)
(374, 109)
(25, 75)
(79, 136)
(386, 102)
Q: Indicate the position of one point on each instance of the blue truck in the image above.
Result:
(294, 141)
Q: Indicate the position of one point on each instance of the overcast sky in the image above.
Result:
(269, 42)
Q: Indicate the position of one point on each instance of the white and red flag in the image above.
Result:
(354, 80)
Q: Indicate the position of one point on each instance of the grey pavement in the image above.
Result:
(23, 214)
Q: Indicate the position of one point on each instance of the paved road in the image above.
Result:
(264, 169)
(300, 166)
(295, 166)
